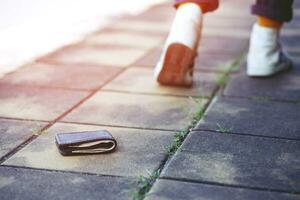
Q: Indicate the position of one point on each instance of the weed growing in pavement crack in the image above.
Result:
(143, 185)
(223, 129)
(176, 142)
(37, 130)
(181, 135)
(223, 79)
(260, 98)
(231, 66)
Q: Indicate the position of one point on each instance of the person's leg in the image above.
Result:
(175, 66)
(265, 57)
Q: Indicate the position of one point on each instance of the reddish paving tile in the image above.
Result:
(150, 59)
(62, 76)
(36, 104)
(136, 110)
(208, 62)
(140, 80)
(124, 38)
(79, 54)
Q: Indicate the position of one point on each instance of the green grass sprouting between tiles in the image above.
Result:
(143, 184)
(222, 129)
(37, 130)
(231, 66)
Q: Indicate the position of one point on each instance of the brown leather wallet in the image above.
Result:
(88, 142)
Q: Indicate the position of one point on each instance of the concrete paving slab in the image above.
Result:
(214, 62)
(230, 46)
(36, 104)
(116, 56)
(61, 76)
(143, 25)
(132, 110)
(248, 161)
(216, 31)
(178, 190)
(255, 117)
(228, 22)
(19, 183)
(290, 38)
(283, 87)
(150, 59)
(208, 62)
(15, 132)
(234, 9)
(119, 38)
(161, 13)
(140, 80)
(138, 152)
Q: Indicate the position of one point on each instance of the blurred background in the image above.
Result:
(31, 28)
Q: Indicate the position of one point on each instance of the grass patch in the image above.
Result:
(223, 129)
(143, 185)
(261, 98)
(176, 142)
(223, 80)
(181, 135)
(38, 130)
(231, 66)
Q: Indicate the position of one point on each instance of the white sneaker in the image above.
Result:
(175, 66)
(265, 57)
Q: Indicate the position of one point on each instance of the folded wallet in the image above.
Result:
(88, 142)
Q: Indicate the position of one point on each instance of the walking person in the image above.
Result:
(265, 56)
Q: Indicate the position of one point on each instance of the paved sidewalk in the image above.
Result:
(246, 146)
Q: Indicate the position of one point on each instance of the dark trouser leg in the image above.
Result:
(206, 5)
(279, 10)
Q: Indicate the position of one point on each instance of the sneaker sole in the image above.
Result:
(177, 65)
(267, 74)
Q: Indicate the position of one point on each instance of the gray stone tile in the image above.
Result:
(228, 22)
(18, 183)
(234, 9)
(62, 76)
(256, 117)
(221, 32)
(230, 46)
(136, 110)
(285, 86)
(209, 59)
(140, 80)
(14, 133)
(138, 152)
(178, 190)
(214, 62)
(290, 38)
(248, 161)
(36, 104)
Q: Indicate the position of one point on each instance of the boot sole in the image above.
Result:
(177, 65)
